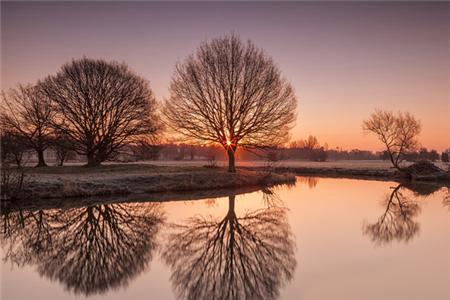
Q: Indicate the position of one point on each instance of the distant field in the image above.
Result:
(345, 164)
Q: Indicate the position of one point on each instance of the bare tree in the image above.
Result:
(89, 250)
(230, 93)
(13, 147)
(311, 143)
(234, 257)
(398, 220)
(101, 106)
(27, 112)
(397, 132)
(62, 145)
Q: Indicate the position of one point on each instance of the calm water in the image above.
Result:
(320, 239)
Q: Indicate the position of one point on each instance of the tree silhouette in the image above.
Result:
(446, 199)
(90, 249)
(397, 223)
(101, 106)
(26, 112)
(398, 133)
(231, 258)
(232, 94)
(13, 147)
(309, 180)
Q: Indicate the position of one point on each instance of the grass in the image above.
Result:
(108, 169)
(123, 179)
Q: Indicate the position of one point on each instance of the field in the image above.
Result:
(341, 164)
(124, 179)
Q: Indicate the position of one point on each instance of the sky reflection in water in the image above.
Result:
(320, 239)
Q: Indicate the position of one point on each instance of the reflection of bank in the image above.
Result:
(398, 221)
(310, 181)
(446, 200)
(236, 257)
(90, 249)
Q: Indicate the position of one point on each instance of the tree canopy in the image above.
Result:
(101, 106)
(230, 93)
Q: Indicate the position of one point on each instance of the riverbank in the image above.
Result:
(353, 169)
(368, 174)
(135, 179)
(165, 176)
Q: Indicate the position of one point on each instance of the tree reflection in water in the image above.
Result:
(249, 257)
(310, 181)
(398, 223)
(90, 249)
(446, 200)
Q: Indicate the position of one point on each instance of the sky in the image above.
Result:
(343, 59)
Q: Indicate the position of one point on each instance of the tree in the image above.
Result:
(234, 257)
(89, 250)
(398, 220)
(27, 112)
(62, 145)
(310, 143)
(232, 94)
(13, 147)
(444, 156)
(397, 132)
(423, 154)
(101, 106)
(433, 155)
(319, 154)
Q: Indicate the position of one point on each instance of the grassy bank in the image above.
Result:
(124, 179)
(409, 173)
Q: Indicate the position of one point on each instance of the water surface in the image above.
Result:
(320, 239)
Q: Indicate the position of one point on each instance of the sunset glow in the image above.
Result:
(275, 150)
(343, 59)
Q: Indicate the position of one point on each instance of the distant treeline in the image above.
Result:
(170, 151)
(179, 152)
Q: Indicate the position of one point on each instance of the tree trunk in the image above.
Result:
(231, 160)
(61, 162)
(93, 160)
(41, 160)
(231, 202)
(18, 159)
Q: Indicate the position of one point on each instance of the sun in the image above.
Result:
(228, 142)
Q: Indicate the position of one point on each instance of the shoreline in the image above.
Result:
(159, 197)
(362, 174)
(147, 182)
(145, 179)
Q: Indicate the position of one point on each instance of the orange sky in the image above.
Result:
(343, 59)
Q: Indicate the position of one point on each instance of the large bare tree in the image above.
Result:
(26, 112)
(89, 250)
(234, 257)
(397, 132)
(230, 93)
(101, 106)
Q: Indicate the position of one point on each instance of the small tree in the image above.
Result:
(310, 143)
(433, 155)
(397, 132)
(63, 145)
(232, 94)
(319, 154)
(101, 106)
(27, 112)
(13, 147)
(444, 156)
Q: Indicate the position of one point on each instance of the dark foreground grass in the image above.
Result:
(109, 168)
(135, 179)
